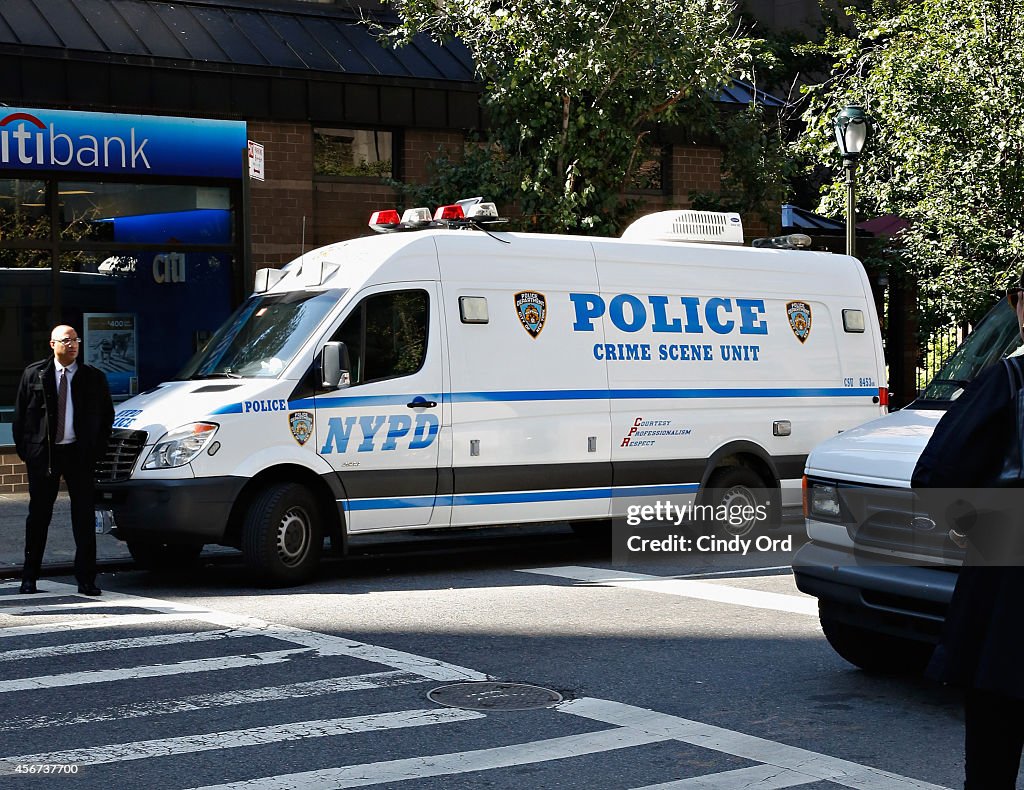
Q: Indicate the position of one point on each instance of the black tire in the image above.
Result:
(736, 487)
(282, 536)
(154, 556)
(874, 652)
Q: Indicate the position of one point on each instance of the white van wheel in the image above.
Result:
(736, 488)
(282, 537)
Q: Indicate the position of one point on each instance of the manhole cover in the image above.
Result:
(487, 695)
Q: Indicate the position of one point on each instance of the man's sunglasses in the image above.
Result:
(1013, 296)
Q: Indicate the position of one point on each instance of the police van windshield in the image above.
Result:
(996, 336)
(262, 336)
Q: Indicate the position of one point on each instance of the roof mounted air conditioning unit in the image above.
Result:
(709, 227)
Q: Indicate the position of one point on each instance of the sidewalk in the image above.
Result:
(60, 545)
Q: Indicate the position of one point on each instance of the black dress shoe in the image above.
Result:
(28, 586)
(88, 588)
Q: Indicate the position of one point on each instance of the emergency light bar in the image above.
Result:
(464, 214)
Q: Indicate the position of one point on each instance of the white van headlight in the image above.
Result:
(178, 447)
(824, 501)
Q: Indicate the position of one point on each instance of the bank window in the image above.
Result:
(361, 153)
(23, 211)
(386, 335)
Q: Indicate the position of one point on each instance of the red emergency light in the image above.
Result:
(448, 213)
(384, 220)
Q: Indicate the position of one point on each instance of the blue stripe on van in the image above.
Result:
(565, 395)
(518, 497)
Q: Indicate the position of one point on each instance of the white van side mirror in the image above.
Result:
(335, 365)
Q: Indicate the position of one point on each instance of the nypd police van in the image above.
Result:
(453, 375)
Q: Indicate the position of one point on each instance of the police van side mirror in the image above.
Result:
(335, 365)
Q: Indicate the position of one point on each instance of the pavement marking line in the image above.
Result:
(448, 764)
(758, 599)
(56, 608)
(128, 643)
(105, 621)
(326, 644)
(803, 761)
(758, 777)
(255, 736)
(24, 597)
(153, 671)
(291, 691)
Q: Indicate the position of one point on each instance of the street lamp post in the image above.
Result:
(851, 127)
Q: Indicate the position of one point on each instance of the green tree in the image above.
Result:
(574, 89)
(943, 81)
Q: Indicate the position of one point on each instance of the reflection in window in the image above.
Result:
(386, 336)
(97, 211)
(352, 152)
(23, 211)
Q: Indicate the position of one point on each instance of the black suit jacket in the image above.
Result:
(35, 412)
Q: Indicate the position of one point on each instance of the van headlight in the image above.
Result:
(178, 447)
(824, 501)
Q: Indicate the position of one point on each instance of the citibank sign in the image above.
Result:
(64, 141)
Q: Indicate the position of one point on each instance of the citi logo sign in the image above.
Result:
(26, 140)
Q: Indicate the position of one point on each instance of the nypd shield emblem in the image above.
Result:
(799, 319)
(532, 309)
(301, 423)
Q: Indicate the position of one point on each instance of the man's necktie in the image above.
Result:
(62, 404)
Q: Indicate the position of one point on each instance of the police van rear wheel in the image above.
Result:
(282, 538)
(741, 491)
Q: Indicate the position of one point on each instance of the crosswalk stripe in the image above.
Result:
(152, 671)
(55, 608)
(255, 736)
(102, 621)
(326, 644)
(448, 764)
(128, 643)
(291, 691)
(720, 593)
(750, 747)
(22, 598)
(761, 777)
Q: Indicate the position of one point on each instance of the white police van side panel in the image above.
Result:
(530, 432)
(716, 350)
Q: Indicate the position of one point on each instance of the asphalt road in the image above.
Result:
(701, 672)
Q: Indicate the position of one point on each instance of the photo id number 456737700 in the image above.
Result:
(46, 768)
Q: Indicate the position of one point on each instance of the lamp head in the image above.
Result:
(851, 127)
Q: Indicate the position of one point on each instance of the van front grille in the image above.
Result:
(122, 451)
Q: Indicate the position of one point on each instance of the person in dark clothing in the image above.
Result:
(63, 415)
(982, 644)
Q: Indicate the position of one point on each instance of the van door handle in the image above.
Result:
(421, 403)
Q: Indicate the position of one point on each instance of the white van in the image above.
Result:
(882, 569)
(456, 376)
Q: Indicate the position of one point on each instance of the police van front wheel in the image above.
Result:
(282, 537)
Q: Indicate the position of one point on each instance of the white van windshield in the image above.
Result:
(996, 336)
(262, 336)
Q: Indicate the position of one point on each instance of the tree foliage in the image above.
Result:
(943, 81)
(574, 89)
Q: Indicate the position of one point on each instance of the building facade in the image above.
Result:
(132, 205)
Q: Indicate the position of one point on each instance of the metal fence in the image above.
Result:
(935, 350)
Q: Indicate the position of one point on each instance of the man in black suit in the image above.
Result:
(62, 420)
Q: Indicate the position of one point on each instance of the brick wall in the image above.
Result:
(13, 478)
(278, 204)
(421, 145)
